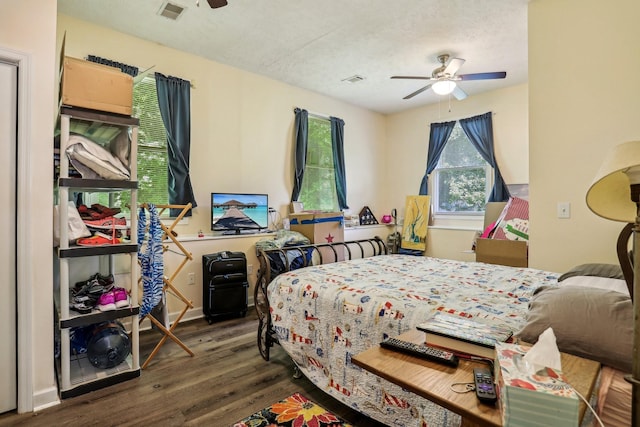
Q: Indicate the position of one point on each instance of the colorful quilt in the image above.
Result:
(325, 314)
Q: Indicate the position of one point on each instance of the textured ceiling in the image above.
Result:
(317, 44)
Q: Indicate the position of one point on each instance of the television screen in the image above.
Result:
(239, 213)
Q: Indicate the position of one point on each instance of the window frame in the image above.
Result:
(436, 177)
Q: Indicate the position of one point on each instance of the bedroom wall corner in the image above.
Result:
(408, 140)
(574, 121)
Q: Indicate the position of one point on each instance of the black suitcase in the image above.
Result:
(224, 285)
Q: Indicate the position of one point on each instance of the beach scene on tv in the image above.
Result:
(239, 213)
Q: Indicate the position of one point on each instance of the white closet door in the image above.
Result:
(8, 326)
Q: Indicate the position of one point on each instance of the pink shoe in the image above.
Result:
(107, 301)
(121, 297)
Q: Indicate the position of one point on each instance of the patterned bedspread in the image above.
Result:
(325, 314)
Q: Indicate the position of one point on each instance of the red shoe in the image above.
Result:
(105, 211)
(98, 239)
(107, 223)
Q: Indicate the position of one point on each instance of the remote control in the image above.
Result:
(422, 351)
(485, 389)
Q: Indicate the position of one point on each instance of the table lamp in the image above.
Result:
(615, 195)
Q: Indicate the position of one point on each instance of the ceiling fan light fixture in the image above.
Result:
(443, 87)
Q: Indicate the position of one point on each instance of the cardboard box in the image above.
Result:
(319, 227)
(95, 86)
(513, 253)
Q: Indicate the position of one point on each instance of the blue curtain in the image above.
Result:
(337, 146)
(128, 69)
(438, 136)
(301, 138)
(175, 108)
(479, 130)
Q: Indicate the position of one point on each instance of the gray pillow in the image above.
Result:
(593, 323)
(612, 271)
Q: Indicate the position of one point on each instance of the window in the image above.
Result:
(318, 190)
(462, 179)
(152, 144)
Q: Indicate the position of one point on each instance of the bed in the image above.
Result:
(323, 310)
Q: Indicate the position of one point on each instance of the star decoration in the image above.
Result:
(329, 238)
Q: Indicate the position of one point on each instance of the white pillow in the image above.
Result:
(605, 283)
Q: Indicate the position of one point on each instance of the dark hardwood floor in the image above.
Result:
(223, 382)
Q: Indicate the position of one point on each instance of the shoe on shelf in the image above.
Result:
(121, 297)
(107, 301)
(102, 280)
(92, 289)
(107, 223)
(82, 307)
(105, 211)
(98, 239)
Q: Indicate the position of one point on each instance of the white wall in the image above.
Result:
(584, 99)
(28, 27)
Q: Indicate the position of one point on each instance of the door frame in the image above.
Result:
(24, 297)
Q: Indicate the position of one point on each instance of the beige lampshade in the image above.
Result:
(609, 196)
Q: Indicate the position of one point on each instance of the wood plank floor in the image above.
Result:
(223, 382)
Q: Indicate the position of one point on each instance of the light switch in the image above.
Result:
(564, 210)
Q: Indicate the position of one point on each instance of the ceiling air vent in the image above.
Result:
(171, 10)
(353, 79)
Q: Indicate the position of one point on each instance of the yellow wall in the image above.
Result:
(583, 100)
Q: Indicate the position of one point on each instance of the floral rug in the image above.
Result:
(294, 411)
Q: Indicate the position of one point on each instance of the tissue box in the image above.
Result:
(543, 398)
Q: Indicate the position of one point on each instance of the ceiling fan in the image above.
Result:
(444, 78)
(216, 3)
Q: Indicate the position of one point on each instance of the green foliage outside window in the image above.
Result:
(318, 190)
(461, 176)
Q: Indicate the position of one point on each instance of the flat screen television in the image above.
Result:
(238, 213)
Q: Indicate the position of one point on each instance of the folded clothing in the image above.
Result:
(93, 161)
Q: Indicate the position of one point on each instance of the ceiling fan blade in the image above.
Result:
(217, 3)
(454, 66)
(459, 93)
(411, 95)
(484, 76)
(412, 77)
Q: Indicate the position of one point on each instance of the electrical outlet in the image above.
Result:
(564, 210)
(250, 269)
(191, 279)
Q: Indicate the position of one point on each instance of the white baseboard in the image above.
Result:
(45, 398)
